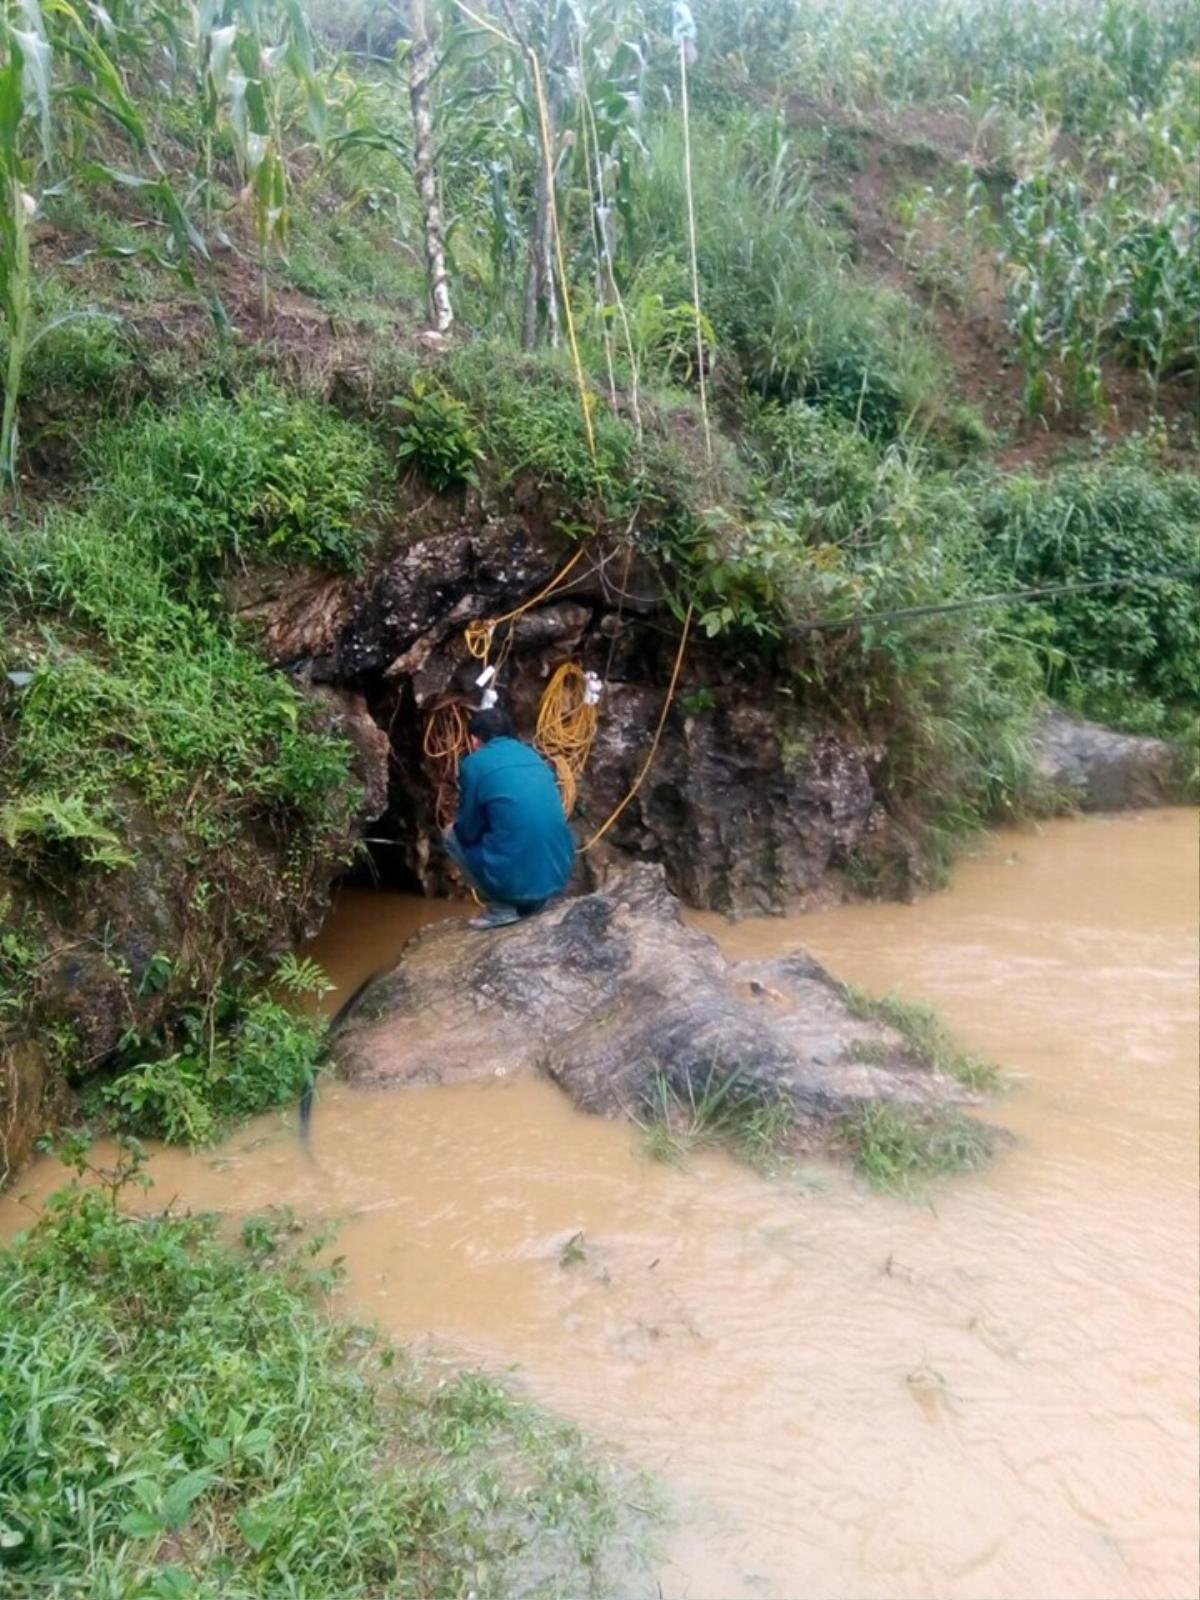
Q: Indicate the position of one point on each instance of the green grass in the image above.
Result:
(136, 681)
(262, 475)
(926, 1034)
(131, 712)
(775, 286)
(719, 1114)
(135, 694)
(902, 1149)
(179, 1419)
(356, 271)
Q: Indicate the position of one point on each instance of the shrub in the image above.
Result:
(1129, 654)
(530, 421)
(824, 469)
(260, 1054)
(435, 435)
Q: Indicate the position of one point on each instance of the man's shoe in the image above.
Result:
(496, 916)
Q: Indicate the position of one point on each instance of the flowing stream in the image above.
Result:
(845, 1394)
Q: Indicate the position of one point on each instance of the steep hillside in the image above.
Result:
(819, 389)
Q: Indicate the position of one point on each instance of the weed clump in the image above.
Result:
(901, 1148)
(720, 1114)
(926, 1034)
(263, 476)
(238, 1051)
(529, 420)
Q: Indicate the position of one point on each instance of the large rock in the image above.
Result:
(1098, 769)
(610, 994)
(748, 812)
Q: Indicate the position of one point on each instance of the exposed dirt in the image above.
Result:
(310, 343)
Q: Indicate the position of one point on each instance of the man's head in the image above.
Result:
(494, 723)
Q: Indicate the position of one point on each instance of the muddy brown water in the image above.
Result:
(844, 1394)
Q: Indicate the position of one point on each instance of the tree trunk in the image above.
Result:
(420, 69)
(535, 273)
(541, 294)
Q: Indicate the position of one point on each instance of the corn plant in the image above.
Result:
(53, 55)
(24, 88)
(1158, 322)
(254, 56)
(25, 147)
(1096, 275)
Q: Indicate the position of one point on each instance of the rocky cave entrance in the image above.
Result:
(753, 803)
(401, 846)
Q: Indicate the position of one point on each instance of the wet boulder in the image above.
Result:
(612, 995)
(1096, 768)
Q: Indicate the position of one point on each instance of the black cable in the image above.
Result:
(1133, 580)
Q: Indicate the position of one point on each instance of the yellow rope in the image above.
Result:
(662, 722)
(446, 742)
(566, 727)
(479, 634)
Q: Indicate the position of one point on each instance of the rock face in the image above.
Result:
(749, 806)
(611, 994)
(1097, 769)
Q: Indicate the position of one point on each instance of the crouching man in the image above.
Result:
(510, 837)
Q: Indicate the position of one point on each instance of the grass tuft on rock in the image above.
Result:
(927, 1035)
(719, 1114)
(901, 1148)
(178, 1420)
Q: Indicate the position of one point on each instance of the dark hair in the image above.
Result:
(495, 723)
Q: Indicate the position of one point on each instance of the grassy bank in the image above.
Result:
(169, 807)
(180, 1419)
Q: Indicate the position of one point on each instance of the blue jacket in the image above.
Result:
(510, 824)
